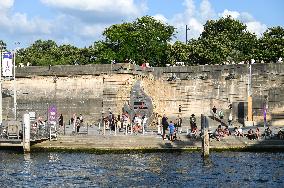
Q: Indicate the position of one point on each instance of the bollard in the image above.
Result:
(104, 128)
(27, 133)
(205, 140)
(131, 131)
(87, 128)
(115, 124)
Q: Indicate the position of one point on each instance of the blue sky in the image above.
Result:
(81, 22)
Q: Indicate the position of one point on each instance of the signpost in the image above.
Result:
(52, 114)
(7, 64)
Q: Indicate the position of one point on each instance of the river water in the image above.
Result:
(186, 169)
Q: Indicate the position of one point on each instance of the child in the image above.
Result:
(171, 130)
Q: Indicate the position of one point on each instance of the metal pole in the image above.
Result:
(250, 94)
(185, 34)
(15, 91)
(250, 84)
(1, 85)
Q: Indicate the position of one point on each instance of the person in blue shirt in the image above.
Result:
(171, 128)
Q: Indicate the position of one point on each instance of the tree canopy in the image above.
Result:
(147, 40)
(223, 40)
(144, 40)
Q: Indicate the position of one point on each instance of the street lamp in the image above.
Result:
(186, 29)
(1, 47)
(250, 91)
(14, 81)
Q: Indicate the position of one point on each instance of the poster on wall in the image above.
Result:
(7, 64)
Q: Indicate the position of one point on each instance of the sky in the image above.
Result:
(81, 22)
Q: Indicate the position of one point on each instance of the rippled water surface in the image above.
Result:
(234, 169)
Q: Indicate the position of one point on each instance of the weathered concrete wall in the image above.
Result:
(198, 88)
(73, 89)
(85, 89)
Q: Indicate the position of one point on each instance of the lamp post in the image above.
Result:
(1, 47)
(14, 81)
(186, 29)
(250, 91)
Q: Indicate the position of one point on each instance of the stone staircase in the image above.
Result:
(277, 118)
(116, 92)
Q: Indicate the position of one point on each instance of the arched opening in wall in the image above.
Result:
(140, 103)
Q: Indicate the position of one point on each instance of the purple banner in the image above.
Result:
(52, 114)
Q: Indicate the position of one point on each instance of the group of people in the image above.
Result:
(173, 127)
(168, 126)
(76, 121)
(221, 132)
(221, 115)
(136, 124)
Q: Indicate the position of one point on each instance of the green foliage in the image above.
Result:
(43, 53)
(223, 40)
(3, 45)
(144, 40)
(271, 45)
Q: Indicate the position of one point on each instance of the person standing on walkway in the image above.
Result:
(60, 120)
(74, 122)
(221, 114)
(214, 110)
(230, 119)
(192, 121)
(144, 122)
(178, 123)
(159, 123)
(171, 128)
(81, 119)
(165, 125)
(78, 124)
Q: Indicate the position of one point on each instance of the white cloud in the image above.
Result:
(99, 10)
(206, 10)
(18, 23)
(81, 22)
(253, 26)
(195, 25)
(91, 30)
(233, 14)
(256, 27)
(193, 17)
(189, 8)
(6, 4)
(161, 18)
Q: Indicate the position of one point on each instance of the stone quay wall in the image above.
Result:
(93, 89)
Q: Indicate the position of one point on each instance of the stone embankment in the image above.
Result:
(152, 143)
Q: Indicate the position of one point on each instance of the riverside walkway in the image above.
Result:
(151, 142)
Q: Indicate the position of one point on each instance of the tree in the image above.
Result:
(271, 45)
(144, 40)
(40, 53)
(102, 52)
(223, 40)
(178, 52)
(47, 52)
(3, 45)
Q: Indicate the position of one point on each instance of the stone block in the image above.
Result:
(250, 123)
